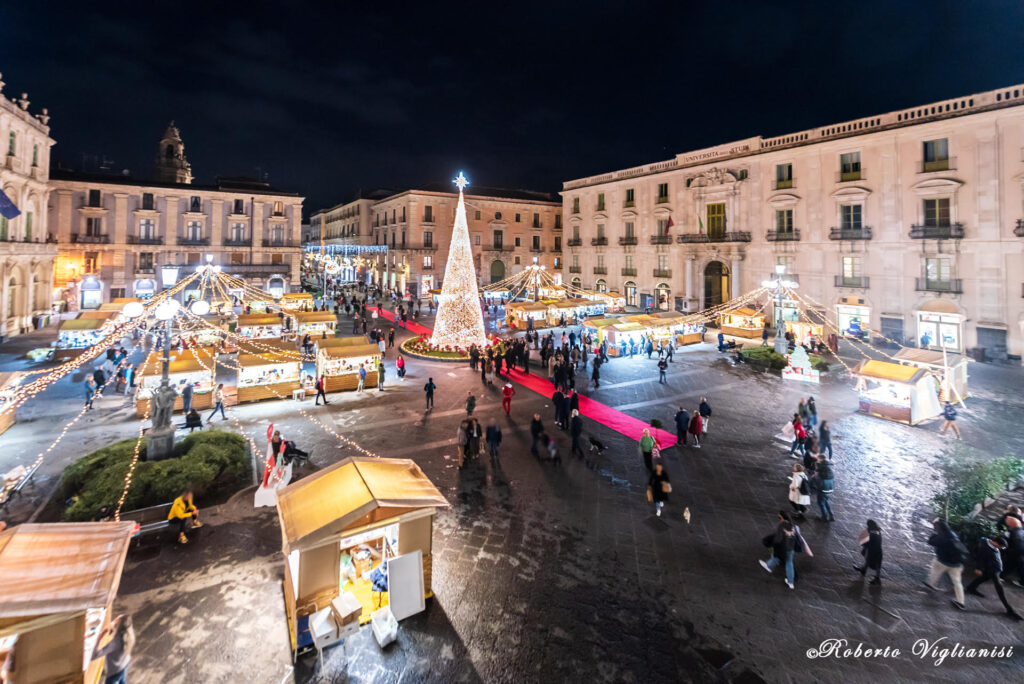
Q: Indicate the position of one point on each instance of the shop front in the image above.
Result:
(8, 384)
(339, 364)
(902, 393)
(853, 317)
(267, 375)
(357, 541)
(663, 297)
(297, 301)
(258, 326)
(92, 293)
(314, 323)
(145, 288)
(940, 326)
(742, 322)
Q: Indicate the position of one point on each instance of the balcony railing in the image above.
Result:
(629, 271)
(279, 243)
(145, 270)
(78, 238)
(536, 249)
(628, 240)
(600, 270)
(846, 176)
(661, 239)
(953, 286)
(948, 164)
(861, 282)
(952, 231)
(574, 242)
(196, 242)
(629, 203)
(256, 269)
(575, 269)
(662, 199)
(497, 248)
(731, 236)
(1019, 229)
(862, 233)
(783, 184)
(599, 241)
(662, 273)
(427, 267)
(783, 235)
(245, 242)
(145, 240)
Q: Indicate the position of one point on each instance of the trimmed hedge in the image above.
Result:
(214, 463)
(769, 358)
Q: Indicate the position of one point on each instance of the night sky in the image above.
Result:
(519, 94)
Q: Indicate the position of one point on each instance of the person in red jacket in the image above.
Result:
(696, 428)
(507, 392)
(799, 436)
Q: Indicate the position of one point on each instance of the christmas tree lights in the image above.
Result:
(459, 322)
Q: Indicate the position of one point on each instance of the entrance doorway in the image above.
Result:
(630, 292)
(716, 284)
(497, 270)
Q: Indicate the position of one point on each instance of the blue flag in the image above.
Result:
(7, 208)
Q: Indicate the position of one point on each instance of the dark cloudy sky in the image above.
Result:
(519, 94)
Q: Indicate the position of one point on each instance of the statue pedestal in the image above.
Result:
(161, 443)
(781, 345)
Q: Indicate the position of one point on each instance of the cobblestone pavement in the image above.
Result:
(546, 574)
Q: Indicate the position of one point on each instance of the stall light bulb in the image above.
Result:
(167, 309)
(200, 307)
(133, 309)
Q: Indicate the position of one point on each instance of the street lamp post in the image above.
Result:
(161, 436)
(780, 285)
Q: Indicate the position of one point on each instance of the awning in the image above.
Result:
(253, 320)
(883, 370)
(181, 362)
(266, 359)
(82, 324)
(314, 317)
(353, 492)
(940, 306)
(347, 351)
(55, 568)
(928, 357)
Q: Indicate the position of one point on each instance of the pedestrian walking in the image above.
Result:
(812, 411)
(950, 554)
(428, 390)
(824, 480)
(595, 375)
(949, 416)
(380, 376)
(764, 336)
(658, 487)
(462, 440)
(696, 428)
(493, 438)
(552, 447)
(90, 392)
(218, 403)
(383, 348)
(100, 377)
(362, 379)
(391, 337)
(871, 548)
(799, 491)
(129, 378)
(115, 644)
(799, 436)
(646, 449)
(186, 397)
(556, 404)
(321, 390)
(825, 438)
(400, 365)
(507, 392)
(662, 368)
(576, 432)
(783, 545)
(536, 430)
(705, 413)
(989, 560)
(1014, 554)
(470, 403)
(682, 419)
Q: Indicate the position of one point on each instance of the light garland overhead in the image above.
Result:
(459, 322)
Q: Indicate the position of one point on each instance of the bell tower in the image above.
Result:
(171, 165)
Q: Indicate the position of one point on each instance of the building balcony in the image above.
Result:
(145, 240)
(279, 243)
(575, 269)
(498, 248)
(600, 270)
(194, 242)
(558, 226)
(862, 233)
(574, 242)
(426, 247)
(628, 240)
(952, 231)
(228, 242)
(662, 199)
(629, 204)
(730, 236)
(954, 286)
(537, 250)
(847, 176)
(77, 238)
(257, 270)
(1019, 229)
(948, 164)
(599, 207)
(145, 270)
(661, 239)
(662, 273)
(599, 241)
(783, 235)
(427, 267)
(783, 184)
(859, 282)
(629, 271)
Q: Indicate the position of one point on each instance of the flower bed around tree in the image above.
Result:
(213, 463)
(421, 347)
(767, 357)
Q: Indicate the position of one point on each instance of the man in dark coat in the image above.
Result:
(566, 408)
(536, 430)
(576, 432)
(1014, 550)
(682, 424)
(990, 565)
(556, 400)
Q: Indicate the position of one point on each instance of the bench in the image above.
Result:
(151, 521)
(9, 491)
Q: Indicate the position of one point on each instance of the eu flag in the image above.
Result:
(7, 208)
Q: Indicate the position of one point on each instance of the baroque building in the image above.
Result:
(911, 221)
(27, 254)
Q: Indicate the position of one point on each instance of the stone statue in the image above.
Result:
(162, 406)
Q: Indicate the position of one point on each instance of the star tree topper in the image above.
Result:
(461, 181)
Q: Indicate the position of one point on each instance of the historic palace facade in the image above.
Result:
(912, 220)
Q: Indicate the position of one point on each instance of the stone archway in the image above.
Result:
(497, 270)
(716, 284)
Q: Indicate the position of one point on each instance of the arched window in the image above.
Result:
(577, 283)
(601, 286)
(169, 152)
(662, 297)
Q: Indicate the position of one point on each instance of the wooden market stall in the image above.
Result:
(315, 323)
(197, 367)
(267, 375)
(80, 333)
(805, 332)
(8, 383)
(949, 370)
(259, 326)
(59, 583)
(356, 533)
(621, 335)
(613, 301)
(569, 308)
(297, 301)
(905, 394)
(519, 314)
(340, 363)
(742, 322)
(598, 327)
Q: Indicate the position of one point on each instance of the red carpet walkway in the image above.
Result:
(595, 410)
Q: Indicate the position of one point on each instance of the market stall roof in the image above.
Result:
(628, 326)
(893, 372)
(601, 322)
(266, 359)
(343, 342)
(52, 568)
(82, 324)
(353, 492)
(564, 304)
(101, 315)
(181, 362)
(124, 300)
(261, 346)
(350, 351)
(314, 317)
(743, 311)
(297, 296)
(928, 357)
(111, 306)
(253, 320)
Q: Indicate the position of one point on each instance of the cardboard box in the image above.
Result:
(346, 608)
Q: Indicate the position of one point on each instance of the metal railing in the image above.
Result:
(729, 236)
(145, 240)
(575, 269)
(279, 243)
(662, 273)
(245, 242)
(600, 270)
(948, 164)
(661, 239)
(196, 242)
(599, 241)
(861, 282)
(78, 238)
(537, 249)
(952, 231)
(862, 233)
(846, 176)
(953, 286)
(628, 240)
(256, 269)
(629, 271)
(783, 184)
(783, 235)
(574, 242)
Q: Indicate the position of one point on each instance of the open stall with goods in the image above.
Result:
(339, 364)
(314, 323)
(297, 301)
(194, 367)
(59, 583)
(742, 322)
(598, 328)
(259, 326)
(949, 370)
(905, 394)
(568, 310)
(805, 332)
(357, 541)
(621, 336)
(613, 301)
(8, 383)
(267, 375)
(519, 314)
(77, 335)
(689, 333)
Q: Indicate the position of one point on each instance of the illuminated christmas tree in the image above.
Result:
(459, 322)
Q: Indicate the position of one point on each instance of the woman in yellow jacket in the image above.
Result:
(181, 511)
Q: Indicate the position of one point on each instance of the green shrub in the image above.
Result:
(656, 424)
(818, 363)
(214, 463)
(765, 356)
